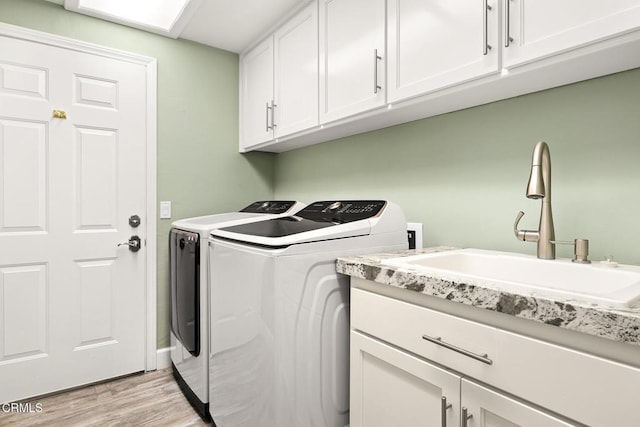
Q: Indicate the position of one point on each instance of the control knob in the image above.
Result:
(334, 206)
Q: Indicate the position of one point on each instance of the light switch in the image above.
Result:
(165, 210)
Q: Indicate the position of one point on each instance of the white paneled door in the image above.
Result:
(72, 302)
(542, 28)
(352, 57)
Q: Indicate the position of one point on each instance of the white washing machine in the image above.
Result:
(279, 333)
(188, 292)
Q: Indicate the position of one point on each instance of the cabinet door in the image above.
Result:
(296, 73)
(436, 43)
(542, 28)
(352, 55)
(256, 95)
(392, 388)
(488, 408)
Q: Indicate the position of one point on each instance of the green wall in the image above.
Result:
(199, 167)
(463, 174)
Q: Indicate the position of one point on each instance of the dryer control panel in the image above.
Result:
(341, 211)
(270, 207)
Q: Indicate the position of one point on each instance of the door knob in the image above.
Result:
(134, 243)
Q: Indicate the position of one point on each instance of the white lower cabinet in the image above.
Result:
(483, 407)
(390, 387)
(406, 359)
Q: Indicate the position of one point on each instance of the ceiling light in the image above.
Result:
(167, 17)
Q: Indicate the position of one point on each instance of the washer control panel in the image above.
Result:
(270, 207)
(342, 210)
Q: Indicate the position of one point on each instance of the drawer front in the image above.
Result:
(448, 340)
(585, 388)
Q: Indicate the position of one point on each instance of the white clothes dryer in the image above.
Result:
(279, 333)
(188, 293)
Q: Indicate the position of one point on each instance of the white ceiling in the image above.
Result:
(234, 25)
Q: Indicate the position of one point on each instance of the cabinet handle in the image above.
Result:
(485, 30)
(507, 19)
(443, 410)
(376, 58)
(267, 110)
(484, 358)
(466, 416)
(273, 114)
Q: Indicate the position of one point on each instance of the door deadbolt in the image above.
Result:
(133, 243)
(60, 114)
(134, 221)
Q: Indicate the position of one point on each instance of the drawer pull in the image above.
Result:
(443, 410)
(484, 358)
(466, 416)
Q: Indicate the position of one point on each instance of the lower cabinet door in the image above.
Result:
(392, 388)
(487, 408)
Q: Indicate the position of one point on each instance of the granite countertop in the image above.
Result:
(587, 317)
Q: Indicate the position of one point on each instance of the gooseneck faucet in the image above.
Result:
(539, 187)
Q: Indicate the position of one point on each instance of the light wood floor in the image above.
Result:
(150, 399)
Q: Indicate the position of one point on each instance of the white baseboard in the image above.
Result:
(164, 358)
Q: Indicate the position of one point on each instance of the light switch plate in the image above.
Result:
(165, 210)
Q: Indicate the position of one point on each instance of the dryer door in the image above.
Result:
(184, 266)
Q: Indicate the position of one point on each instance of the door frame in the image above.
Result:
(151, 67)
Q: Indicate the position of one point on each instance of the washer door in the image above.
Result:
(184, 256)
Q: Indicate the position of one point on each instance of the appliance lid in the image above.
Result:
(318, 221)
(256, 211)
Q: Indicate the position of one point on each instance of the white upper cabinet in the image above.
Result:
(279, 82)
(256, 95)
(342, 67)
(434, 44)
(296, 73)
(540, 28)
(352, 57)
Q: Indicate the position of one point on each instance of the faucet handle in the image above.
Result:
(524, 235)
(518, 218)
